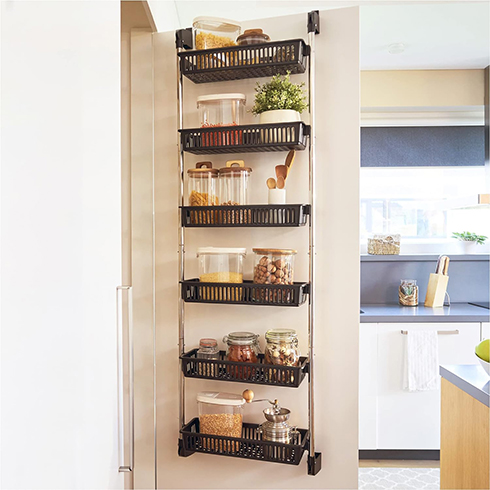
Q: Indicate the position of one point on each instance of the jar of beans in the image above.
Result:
(243, 347)
(273, 266)
(281, 347)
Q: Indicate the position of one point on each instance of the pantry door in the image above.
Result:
(337, 309)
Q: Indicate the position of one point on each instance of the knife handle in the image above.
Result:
(446, 266)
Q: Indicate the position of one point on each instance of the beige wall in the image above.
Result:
(337, 307)
(422, 88)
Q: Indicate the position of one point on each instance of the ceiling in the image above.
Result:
(436, 35)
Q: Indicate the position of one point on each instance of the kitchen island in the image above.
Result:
(465, 439)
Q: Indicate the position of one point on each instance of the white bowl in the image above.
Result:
(484, 364)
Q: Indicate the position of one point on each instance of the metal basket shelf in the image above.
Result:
(249, 446)
(240, 62)
(243, 372)
(246, 293)
(245, 139)
(256, 215)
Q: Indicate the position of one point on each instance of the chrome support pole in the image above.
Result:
(314, 458)
(180, 115)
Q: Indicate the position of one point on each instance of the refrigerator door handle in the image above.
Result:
(125, 441)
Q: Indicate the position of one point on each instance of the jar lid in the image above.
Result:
(280, 333)
(225, 25)
(220, 250)
(203, 168)
(241, 338)
(251, 33)
(208, 343)
(214, 97)
(216, 398)
(235, 167)
(274, 251)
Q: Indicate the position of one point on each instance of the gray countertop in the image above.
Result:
(471, 378)
(457, 312)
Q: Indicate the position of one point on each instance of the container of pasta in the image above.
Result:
(214, 32)
(203, 185)
(217, 264)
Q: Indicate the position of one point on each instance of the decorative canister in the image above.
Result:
(408, 292)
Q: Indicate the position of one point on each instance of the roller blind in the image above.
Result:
(431, 146)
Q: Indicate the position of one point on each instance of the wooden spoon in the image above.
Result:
(281, 171)
(281, 183)
(271, 183)
(289, 160)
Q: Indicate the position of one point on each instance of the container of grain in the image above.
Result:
(214, 32)
(217, 264)
(220, 414)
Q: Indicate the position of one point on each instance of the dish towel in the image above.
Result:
(421, 361)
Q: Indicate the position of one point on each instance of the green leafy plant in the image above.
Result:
(279, 93)
(466, 236)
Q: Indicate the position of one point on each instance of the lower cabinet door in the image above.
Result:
(412, 420)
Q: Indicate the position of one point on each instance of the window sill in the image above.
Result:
(424, 258)
(412, 246)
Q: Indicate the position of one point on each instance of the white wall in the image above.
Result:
(60, 193)
(338, 268)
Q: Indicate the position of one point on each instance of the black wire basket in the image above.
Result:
(249, 446)
(246, 293)
(240, 62)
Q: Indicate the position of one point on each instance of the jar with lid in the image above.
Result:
(274, 266)
(252, 36)
(214, 32)
(218, 110)
(243, 347)
(234, 183)
(220, 414)
(202, 185)
(281, 347)
(208, 349)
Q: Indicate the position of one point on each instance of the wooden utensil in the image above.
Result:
(281, 171)
(281, 183)
(271, 183)
(289, 160)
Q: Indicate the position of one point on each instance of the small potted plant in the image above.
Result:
(279, 100)
(470, 240)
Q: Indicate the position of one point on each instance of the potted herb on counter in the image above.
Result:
(470, 241)
(279, 100)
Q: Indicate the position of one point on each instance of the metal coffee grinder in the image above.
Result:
(276, 427)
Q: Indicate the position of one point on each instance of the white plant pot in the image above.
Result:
(470, 247)
(279, 116)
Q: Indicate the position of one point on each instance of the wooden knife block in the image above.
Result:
(436, 290)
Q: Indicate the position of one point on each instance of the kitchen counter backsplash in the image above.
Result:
(381, 275)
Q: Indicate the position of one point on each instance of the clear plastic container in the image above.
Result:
(234, 183)
(218, 264)
(220, 414)
(214, 32)
(203, 185)
(274, 266)
(252, 36)
(218, 110)
(281, 347)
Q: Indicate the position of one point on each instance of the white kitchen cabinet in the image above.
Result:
(485, 331)
(368, 357)
(412, 420)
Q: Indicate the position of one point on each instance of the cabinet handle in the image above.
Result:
(439, 332)
(122, 443)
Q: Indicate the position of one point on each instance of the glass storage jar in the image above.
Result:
(274, 266)
(218, 110)
(242, 347)
(217, 264)
(234, 182)
(220, 414)
(208, 349)
(281, 347)
(214, 32)
(202, 185)
(252, 36)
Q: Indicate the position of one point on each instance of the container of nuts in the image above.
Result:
(281, 347)
(220, 414)
(274, 266)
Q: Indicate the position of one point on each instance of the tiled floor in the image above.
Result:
(399, 478)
